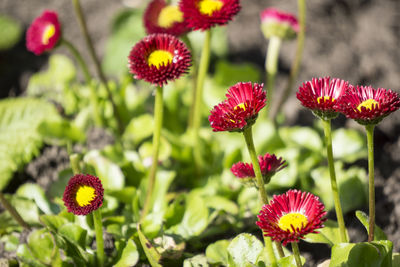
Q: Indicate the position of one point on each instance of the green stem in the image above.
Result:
(13, 212)
(93, 94)
(280, 249)
(198, 101)
(158, 120)
(74, 161)
(248, 136)
(334, 186)
(98, 228)
(271, 66)
(297, 60)
(371, 183)
(296, 253)
(92, 52)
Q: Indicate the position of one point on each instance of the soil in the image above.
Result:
(353, 40)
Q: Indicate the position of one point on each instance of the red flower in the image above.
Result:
(367, 105)
(204, 14)
(83, 194)
(44, 33)
(280, 24)
(160, 17)
(322, 95)
(269, 165)
(240, 109)
(290, 216)
(159, 58)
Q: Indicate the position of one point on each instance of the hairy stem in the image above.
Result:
(371, 182)
(271, 67)
(296, 253)
(98, 228)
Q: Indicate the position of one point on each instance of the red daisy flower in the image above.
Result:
(322, 95)
(160, 17)
(290, 216)
(83, 194)
(159, 58)
(269, 165)
(280, 24)
(204, 14)
(44, 33)
(240, 109)
(368, 105)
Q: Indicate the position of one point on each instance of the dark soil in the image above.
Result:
(353, 40)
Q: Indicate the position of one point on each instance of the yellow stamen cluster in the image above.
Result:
(208, 7)
(296, 219)
(160, 58)
(48, 32)
(323, 99)
(241, 105)
(85, 195)
(368, 104)
(169, 15)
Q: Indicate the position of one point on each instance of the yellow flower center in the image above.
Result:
(85, 195)
(169, 15)
(208, 7)
(367, 104)
(241, 105)
(48, 32)
(296, 219)
(323, 99)
(160, 58)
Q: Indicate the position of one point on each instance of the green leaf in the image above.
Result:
(124, 195)
(53, 222)
(364, 219)
(10, 32)
(196, 261)
(244, 250)
(396, 259)
(36, 193)
(139, 128)
(26, 208)
(330, 234)
(348, 145)
(217, 253)
(289, 261)
(151, 253)
(74, 233)
(109, 173)
(221, 203)
(130, 255)
(373, 254)
(227, 74)
(41, 244)
(60, 132)
(19, 138)
(301, 137)
(25, 255)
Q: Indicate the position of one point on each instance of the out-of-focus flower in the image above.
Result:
(159, 58)
(322, 95)
(269, 165)
(161, 17)
(368, 105)
(290, 216)
(204, 14)
(83, 194)
(275, 23)
(240, 109)
(44, 33)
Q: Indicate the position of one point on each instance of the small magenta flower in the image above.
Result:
(159, 58)
(368, 105)
(161, 17)
(204, 14)
(240, 109)
(44, 33)
(290, 216)
(269, 165)
(322, 95)
(83, 194)
(275, 23)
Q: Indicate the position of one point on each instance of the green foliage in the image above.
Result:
(244, 250)
(364, 219)
(330, 234)
(10, 32)
(19, 137)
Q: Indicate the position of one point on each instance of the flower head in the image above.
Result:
(83, 194)
(280, 24)
(159, 58)
(204, 14)
(44, 33)
(269, 165)
(322, 95)
(240, 109)
(368, 105)
(290, 216)
(161, 17)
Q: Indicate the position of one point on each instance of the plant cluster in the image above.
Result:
(175, 189)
